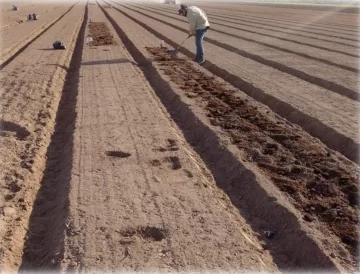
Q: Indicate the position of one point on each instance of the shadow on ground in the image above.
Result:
(108, 62)
(47, 225)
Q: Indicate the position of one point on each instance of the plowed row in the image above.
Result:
(308, 103)
(319, 183)
(117, 155)
(31, 86)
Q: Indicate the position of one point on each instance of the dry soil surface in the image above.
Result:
(116, 155)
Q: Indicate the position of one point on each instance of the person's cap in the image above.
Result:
(182, 7)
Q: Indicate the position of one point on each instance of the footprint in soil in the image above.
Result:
(188, 173)
(171, 146)
(171, 143)
(13, 186)
(146, 232)
(118, 154)
(8, 129)
(155, 162)
(175, 162)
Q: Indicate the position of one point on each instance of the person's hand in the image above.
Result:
(190, 34)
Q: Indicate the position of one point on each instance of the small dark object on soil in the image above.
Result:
(59, 45)
(269, 234)
(308, 218)
(119, 154)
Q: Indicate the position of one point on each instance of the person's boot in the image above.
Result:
(200, 62)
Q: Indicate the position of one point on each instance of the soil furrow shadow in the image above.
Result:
(294, 249)
(258, 58)
(293, 24)
(299, 35)
(268, 35)
(329, 136)
(297, 164)
(256, 15)
(321, 27)
(332, 86)
(304, 7)
(45, 238)
(239, 20)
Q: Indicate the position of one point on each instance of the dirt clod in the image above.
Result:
(175, 162)
(100, 34)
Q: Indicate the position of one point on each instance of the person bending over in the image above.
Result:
(198, 25)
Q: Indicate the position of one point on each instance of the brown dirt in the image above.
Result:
(255, 201)
(322, 184)
(103, 205)
(15, 37)
(31, 86)
(101, 34)
(286, 55)
(152, 162)
(10, 19)
(326, 115)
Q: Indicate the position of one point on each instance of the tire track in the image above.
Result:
(19, 51)
(333, 139)
(332, 86)
(189, 123)
(47, 226)
(279, 31)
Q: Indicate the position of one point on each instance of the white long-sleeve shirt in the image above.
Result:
(197, 19)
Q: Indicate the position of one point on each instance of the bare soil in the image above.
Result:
(32, 83)
(322, 184)
(116, 155)
(308, 103)
(101, 34)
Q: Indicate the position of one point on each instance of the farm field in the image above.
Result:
(116, 155)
